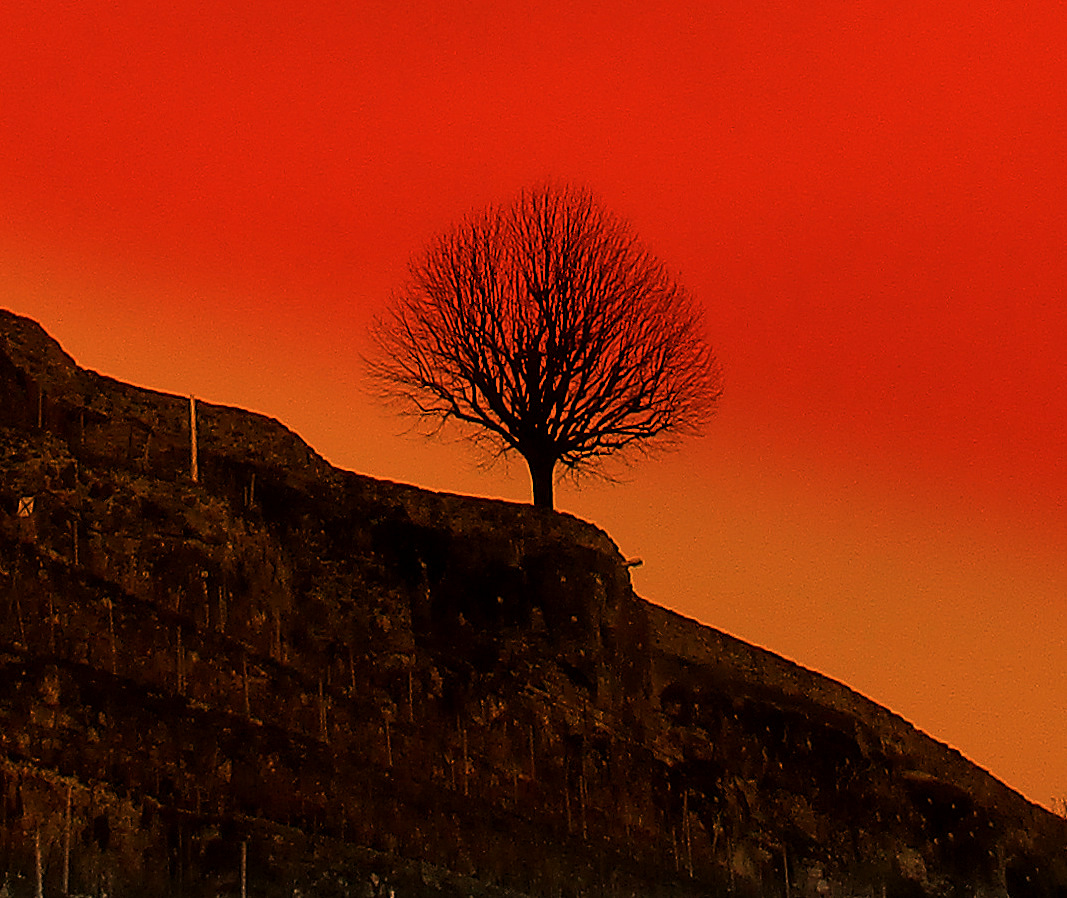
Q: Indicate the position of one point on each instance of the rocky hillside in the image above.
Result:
(283, 679)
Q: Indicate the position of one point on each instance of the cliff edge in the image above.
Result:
(284, 679)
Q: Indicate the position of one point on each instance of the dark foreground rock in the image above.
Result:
(287, 679)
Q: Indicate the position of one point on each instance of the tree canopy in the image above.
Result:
(551, 330)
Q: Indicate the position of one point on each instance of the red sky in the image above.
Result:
(869, 198)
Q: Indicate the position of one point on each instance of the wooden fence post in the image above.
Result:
(567, 799)
(111, 632)
(66, 844)
(37, 862)
(180, 666)
(688, 833)
(581, 797)
(323, 730)
(194, 466)
(466, 764)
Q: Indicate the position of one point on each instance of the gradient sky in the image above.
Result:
(869, 198)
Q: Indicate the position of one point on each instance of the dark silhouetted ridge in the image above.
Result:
(331, 685)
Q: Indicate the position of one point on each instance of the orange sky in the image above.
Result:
(869, 201)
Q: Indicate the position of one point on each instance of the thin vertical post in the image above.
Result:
(244, 868)
(581, 796)
(66, 844)
(51, 625)
(111, 633)
(37, 862)
(193, 459)
(323, 730)
(686, 828)
(180, 670)
(22, 626)
(466, 764)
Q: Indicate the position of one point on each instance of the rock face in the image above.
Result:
(287, 679)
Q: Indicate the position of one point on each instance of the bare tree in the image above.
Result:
(552, 330)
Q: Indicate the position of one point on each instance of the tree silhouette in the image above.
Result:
(548, 327)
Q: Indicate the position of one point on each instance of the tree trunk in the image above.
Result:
(541, 477)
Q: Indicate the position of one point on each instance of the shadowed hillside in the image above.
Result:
(287, 679)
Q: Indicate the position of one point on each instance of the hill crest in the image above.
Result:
(322, 682)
